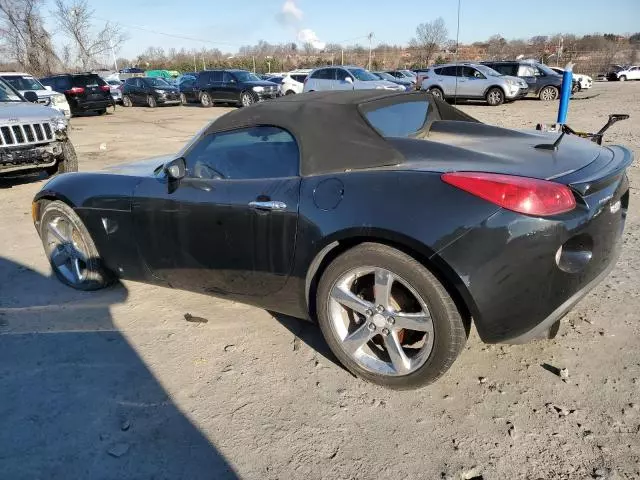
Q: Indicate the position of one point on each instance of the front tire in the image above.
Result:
(126, 101)
(68, 162)
(71, 251)
(387, 318)
(290, 92)
(205, 100)
(623, 78)
(247, 99)
(549, 94)
(495, 96)
(151, 101)
(183, 99)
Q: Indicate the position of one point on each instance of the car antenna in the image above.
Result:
(551, 146)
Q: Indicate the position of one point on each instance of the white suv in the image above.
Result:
(629, 73)
(293, 82)
(346, 78)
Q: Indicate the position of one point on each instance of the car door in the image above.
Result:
(634, 73)
(528, 74)
(229, 226)
(448, 83)
(474, 84)
(137, 91)
(342, 77)
(230, 87)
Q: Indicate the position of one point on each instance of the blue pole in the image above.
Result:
(565, 93)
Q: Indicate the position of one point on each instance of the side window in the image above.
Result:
(537, 72)
(248, 153)
(341, 74)
(400, 119)
(322, 74)
(299, 78)
(61, 84)
(448, 71)
(216, 76)
(471, 72)
(226, 77)
(437, 71)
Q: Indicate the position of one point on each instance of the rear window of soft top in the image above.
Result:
(403, 119)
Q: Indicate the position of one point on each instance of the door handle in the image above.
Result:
(270, 205)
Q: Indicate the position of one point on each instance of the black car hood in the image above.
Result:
(470, 146)
(260, 83)
(141, 168)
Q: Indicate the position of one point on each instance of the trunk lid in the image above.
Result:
(467, 146)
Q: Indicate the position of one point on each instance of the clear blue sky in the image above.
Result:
(240, 22)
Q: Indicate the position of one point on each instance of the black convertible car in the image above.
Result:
(393, 219)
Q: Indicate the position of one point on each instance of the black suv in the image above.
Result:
(234, 86)
(543, 82)
(149, 91)
(85, 92)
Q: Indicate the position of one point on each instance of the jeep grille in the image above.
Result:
(25, 134)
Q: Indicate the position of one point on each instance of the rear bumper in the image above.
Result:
(521, 274)
(91, 106)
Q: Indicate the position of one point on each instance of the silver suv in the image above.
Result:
(346, 78)
(32, 137)
(474, 82)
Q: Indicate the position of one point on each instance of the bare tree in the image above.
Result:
(76, 20)
(24, 38)
(429, 38)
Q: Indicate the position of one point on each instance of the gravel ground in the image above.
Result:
(117, 384)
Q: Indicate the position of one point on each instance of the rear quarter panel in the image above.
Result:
(413, 209)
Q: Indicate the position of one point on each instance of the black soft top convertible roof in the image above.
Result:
(332, 134)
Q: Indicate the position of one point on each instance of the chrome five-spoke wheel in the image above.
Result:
(66, 249)
(381, 321)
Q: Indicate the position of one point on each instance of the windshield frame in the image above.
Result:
(546, 69)
(362, 78)
(487, 71)
(386, 76)
(150, 81)
(245, 76)
(5, 87)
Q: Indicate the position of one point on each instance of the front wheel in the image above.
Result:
(67, 163)
(205, 100)
(548, 94)
(126, 101)
(290, 92)
(623, 78)
(387, 318)
(151, 101)
(183, 99)
(72, 254)
(495, 97)
(247, 99)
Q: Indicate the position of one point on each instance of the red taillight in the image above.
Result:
(75, 90)
(105, 88)
(520, 194)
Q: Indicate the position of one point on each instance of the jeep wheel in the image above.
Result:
(68, 161)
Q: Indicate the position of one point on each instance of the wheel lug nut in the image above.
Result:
(368, 312)
(371, 327)
(391, 320)
(385, 331)
(380, 308)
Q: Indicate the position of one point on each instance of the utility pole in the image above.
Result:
(342, 56)
(204, 67)
(254, 63)
(370, 36)
(195, 64)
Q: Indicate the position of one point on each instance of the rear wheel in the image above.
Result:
(290, 92)
(102, 111)
(183, 99)
(206, 100)
(387, 318)
(548, 93)
(72, 254)
(495, 96)
(151, 101)
(436, 92)
(126, 101)
(68, 162)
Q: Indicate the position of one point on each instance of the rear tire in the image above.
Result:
(436, 92)
(151, 101)
(102, 111)
(366, 354)
(495, 96)
(183, 99)
(71, 251)
(126, 101)
(290, 92)
(68, 162)
(549, 94)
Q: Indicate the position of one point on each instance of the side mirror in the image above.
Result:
(47, 87)
(348, 80)
(176, 169)
(30, 96)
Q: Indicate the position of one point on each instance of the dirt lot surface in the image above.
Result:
(117, 384)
